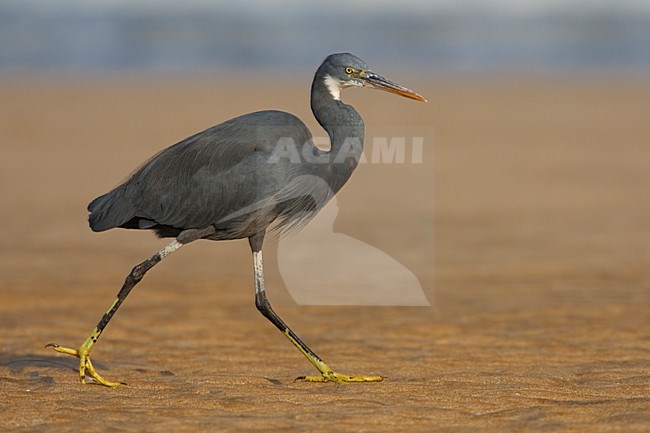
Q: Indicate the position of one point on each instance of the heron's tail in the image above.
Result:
(110, 210)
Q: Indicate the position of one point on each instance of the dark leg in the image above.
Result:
(134, 277)
(263, 305)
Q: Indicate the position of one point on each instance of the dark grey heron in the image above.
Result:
(234, 180)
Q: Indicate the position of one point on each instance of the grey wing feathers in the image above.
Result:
(107, 212)
(201, 179)
(302, 197)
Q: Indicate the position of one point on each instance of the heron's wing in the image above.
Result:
(192, 184)
(202, 179)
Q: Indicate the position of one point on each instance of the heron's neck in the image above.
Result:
(345, 128)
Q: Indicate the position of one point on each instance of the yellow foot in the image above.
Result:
(331, 376)
(84, 364)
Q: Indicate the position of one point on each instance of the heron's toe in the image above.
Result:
(331, 376)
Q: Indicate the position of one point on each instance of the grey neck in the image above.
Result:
(345, 128)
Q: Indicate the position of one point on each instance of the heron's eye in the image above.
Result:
(349, 70)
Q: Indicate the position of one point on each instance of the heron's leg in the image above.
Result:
(134, 277)
(263, 305)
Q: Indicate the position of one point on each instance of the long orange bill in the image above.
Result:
(376, 81)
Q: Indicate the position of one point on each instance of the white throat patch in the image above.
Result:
(334, 85)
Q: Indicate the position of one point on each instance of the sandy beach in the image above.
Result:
(527, 224)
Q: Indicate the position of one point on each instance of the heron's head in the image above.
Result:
(343, 70)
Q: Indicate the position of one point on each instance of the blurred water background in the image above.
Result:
(491, 36)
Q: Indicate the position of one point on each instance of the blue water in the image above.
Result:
(456, 36)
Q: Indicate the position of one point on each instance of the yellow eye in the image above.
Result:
(349, 70)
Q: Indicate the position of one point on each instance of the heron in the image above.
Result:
(240, 179)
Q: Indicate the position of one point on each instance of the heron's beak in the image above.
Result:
(376, 81)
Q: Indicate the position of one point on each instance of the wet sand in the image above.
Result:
(533, 244)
